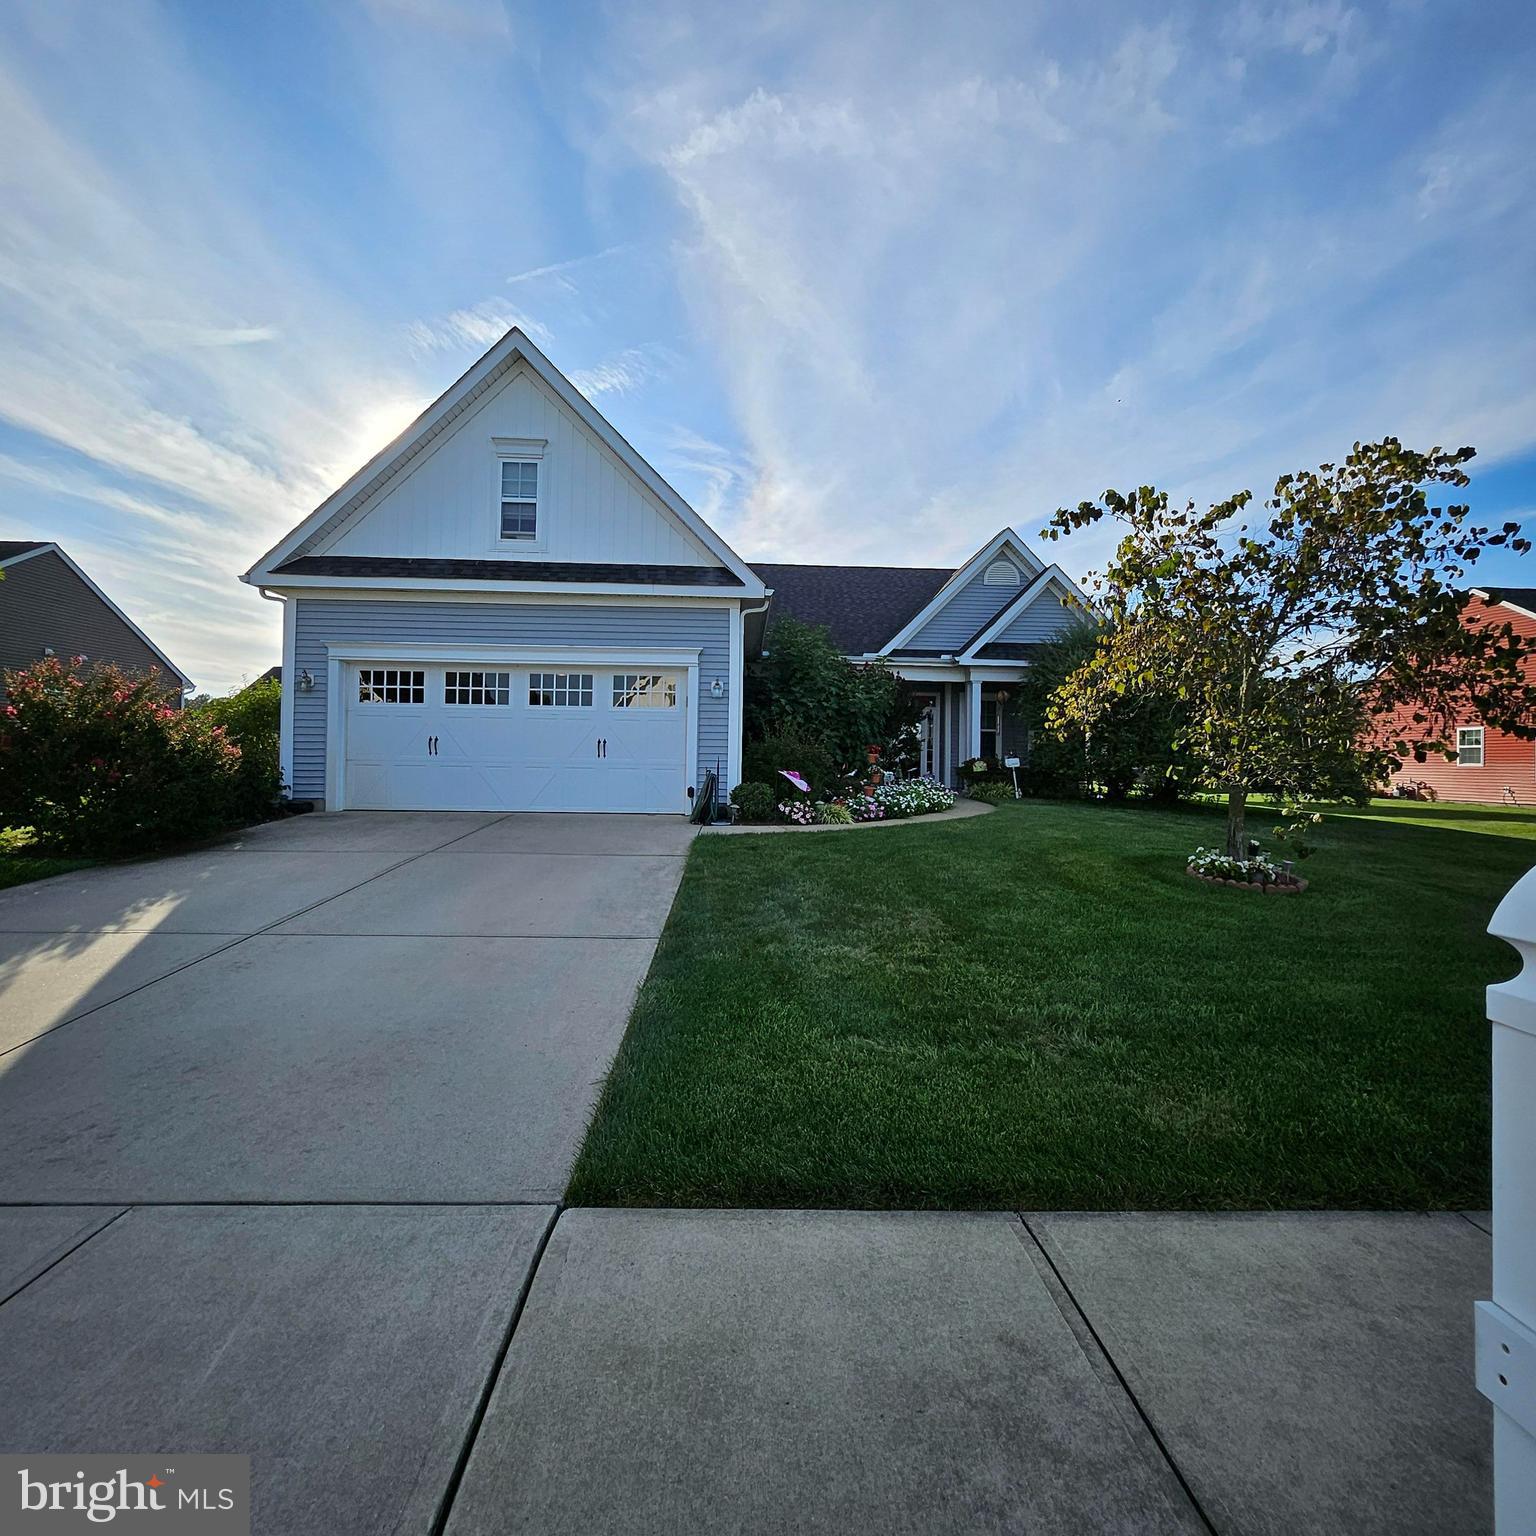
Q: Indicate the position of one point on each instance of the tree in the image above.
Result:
(805, 688)
(1131, 745)
(1288, 638)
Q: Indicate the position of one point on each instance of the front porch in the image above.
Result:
(963, 718)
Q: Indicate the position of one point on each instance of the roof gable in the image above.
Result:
(1046, 607)
(14, 551)
(428, 471)
(967, 599)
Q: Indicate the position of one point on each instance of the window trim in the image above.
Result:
(1480, 747)
(520, 450)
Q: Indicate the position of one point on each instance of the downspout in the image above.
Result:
(288, 689)
(736, 720)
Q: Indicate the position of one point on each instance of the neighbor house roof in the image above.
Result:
(508, 570)
(10, 548)
(1523, 598)
(14, 550)
(861, 605)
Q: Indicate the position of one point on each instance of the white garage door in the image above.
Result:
(473, 737)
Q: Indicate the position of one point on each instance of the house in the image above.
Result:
(1491, 766)
(960, 636)
(508, 608)
(50, 607)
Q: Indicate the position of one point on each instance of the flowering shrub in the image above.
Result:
(866, 808)
(801, 812)
(914, 797)
(1215, 865)
(97, 762)
(833, 814)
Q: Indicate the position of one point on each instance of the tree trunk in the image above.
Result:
(1237, 831)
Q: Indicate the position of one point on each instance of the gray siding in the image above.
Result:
(964, 614)
(1043, 618)
(43, 603)
(319, 622)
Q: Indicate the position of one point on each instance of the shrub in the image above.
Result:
(801, 812)
(98, 763)
(833, 813)
(804, 688)
(991, 791)
(250, 718)
(754, 802)
(866, 808)
(762, 762)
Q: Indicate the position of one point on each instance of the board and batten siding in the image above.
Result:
(1046, 616)
(321, 622)
(446, 503)
(964, 614)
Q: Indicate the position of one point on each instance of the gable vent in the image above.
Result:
(1001, 573)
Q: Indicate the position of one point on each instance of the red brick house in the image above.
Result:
(1491, 766)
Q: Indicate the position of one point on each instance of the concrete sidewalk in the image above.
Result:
(747, 1371)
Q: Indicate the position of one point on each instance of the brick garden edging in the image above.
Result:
(1293, 886)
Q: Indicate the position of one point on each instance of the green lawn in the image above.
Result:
(1038, 1008)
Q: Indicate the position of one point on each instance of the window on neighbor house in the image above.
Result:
(1469, 747)
(519, 498)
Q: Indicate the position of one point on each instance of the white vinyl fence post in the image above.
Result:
(1506, 1325)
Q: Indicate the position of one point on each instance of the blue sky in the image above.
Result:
(863, 286)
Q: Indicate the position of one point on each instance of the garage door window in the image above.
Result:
(381, 685)
(638, 690)
(560, 689)
(477, 688)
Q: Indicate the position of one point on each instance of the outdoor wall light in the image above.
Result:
(717, 688)
(306, 681)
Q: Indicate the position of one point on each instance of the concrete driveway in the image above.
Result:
(350, 1007)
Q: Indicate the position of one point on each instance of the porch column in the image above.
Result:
(1506, 1325)
(972, 718)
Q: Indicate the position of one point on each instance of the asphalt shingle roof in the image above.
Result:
(10, 548)
(862, 605)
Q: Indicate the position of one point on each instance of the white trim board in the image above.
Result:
(54, 549)
(1007, 538)
(392, 459)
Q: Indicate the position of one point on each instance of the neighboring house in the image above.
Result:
(508, 608)
(1491, 767)
(49, 606)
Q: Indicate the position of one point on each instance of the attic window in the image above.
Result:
(1001, 573)
(519, 499)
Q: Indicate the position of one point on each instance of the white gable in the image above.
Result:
(445, 505)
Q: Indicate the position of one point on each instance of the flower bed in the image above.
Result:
(1257, 873)
(887, 802)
